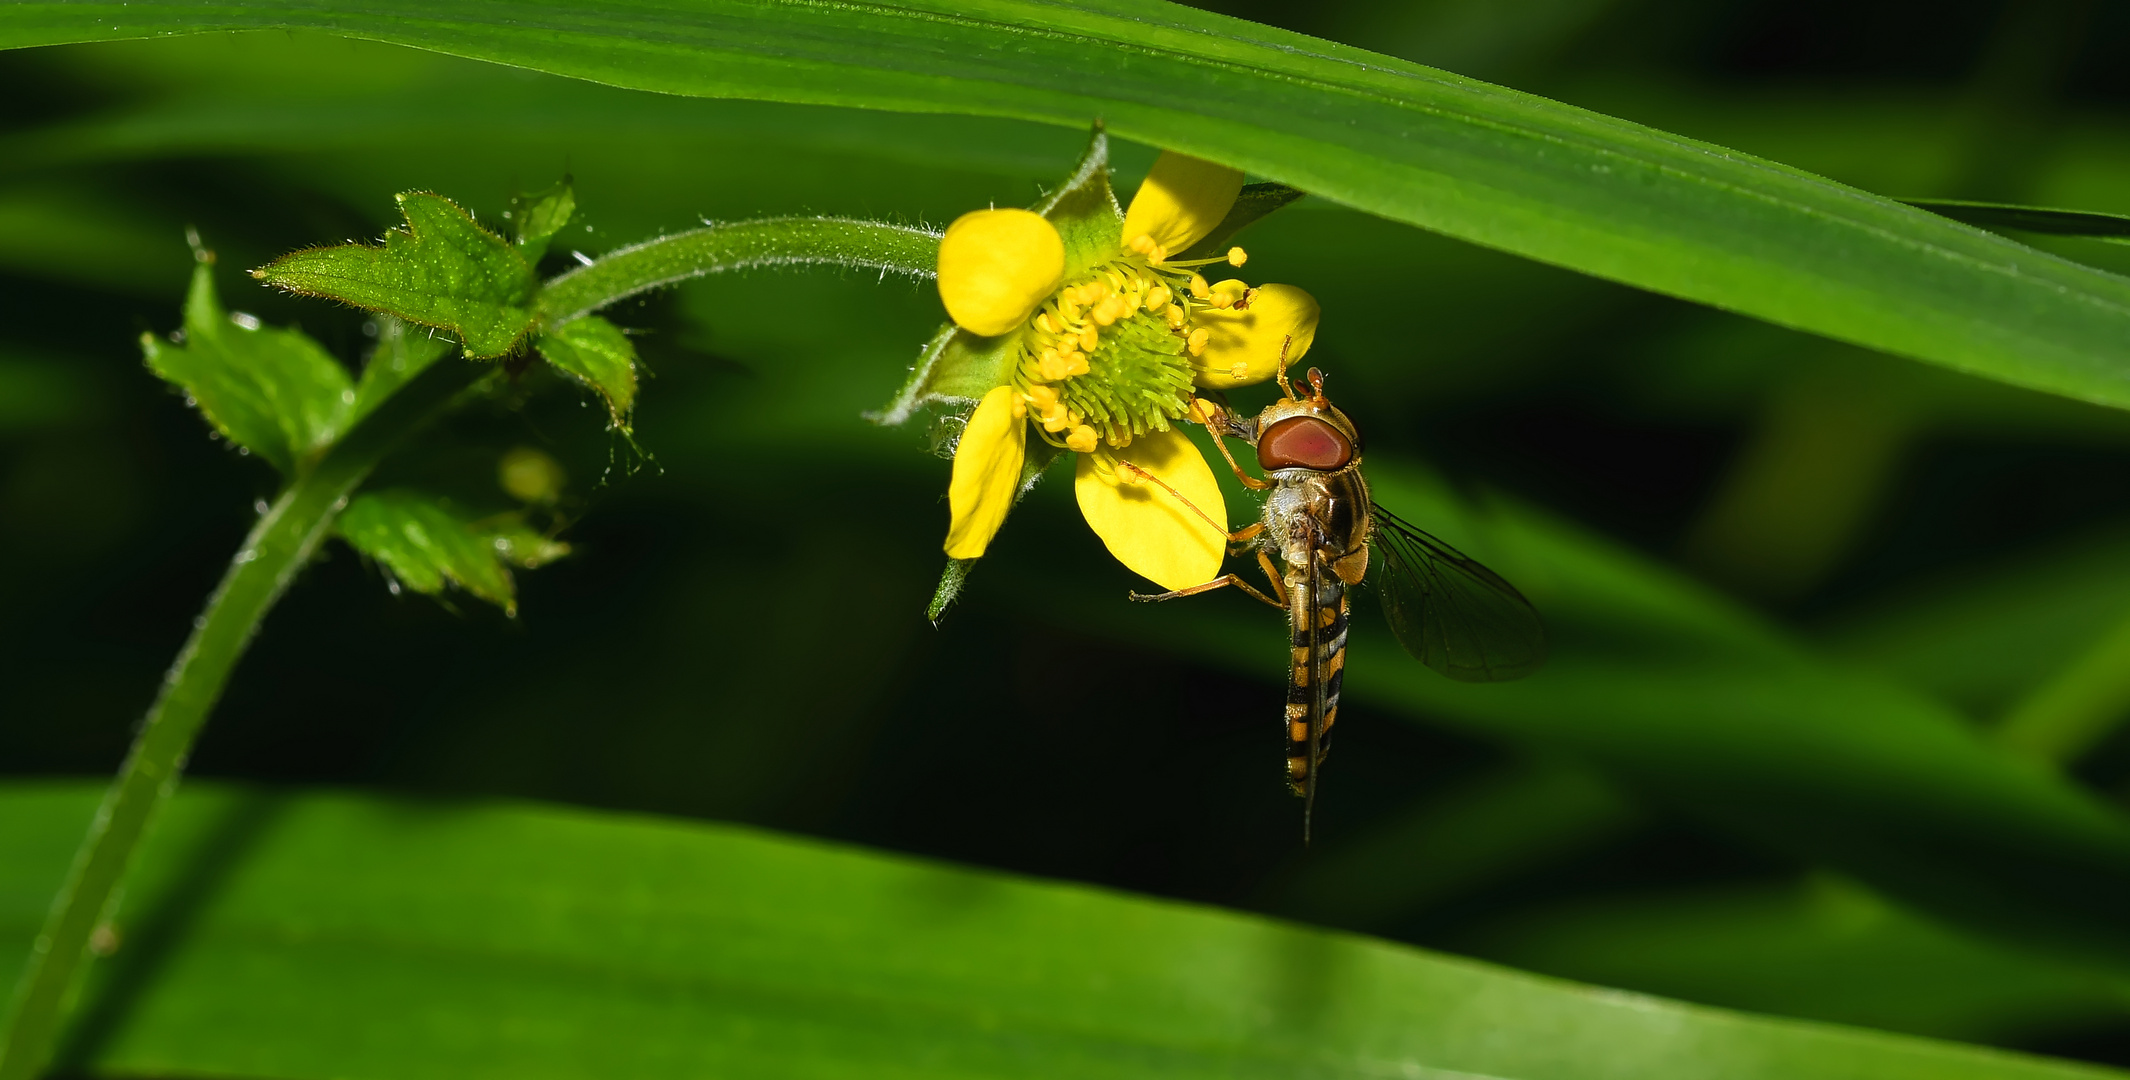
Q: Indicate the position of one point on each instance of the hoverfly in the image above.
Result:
(1449, 612)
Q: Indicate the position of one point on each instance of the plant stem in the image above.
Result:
(278, 548)
(739, 245)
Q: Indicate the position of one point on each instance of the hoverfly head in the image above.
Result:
(1310, 433)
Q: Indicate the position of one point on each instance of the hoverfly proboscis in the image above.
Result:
(1449, 612)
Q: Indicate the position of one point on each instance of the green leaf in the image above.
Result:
(428, 547)
(538, 218)
(273, 392)
(596, 353)
(314, 935)
(442, 270)
(2035, 219)
(1486, 164)
(523, 547)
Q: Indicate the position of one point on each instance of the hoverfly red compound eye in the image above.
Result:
(1303, 442)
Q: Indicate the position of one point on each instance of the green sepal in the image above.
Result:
(951, 580)
(1040, 457)
(403, 351)
(443, 270)
(958, 367)
(955, 368)
(1255, 202)
(536, 218)
(1084, 210)
(276, 393)
(427, 547)
(596, 353)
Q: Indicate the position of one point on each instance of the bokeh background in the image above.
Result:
(740, 633)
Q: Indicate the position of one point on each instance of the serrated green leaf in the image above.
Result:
(402, 352)
(1493, 166)
(537, 218)
(427, 547)
(351, 936)
(596, 353)
(273, 392)
(442, 270)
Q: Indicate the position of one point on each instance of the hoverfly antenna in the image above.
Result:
(1316, 381)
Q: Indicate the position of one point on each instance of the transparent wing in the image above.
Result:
(1451, 613)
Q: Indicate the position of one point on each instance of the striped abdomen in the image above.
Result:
(1321, 619)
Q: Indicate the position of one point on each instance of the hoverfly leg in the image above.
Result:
(1248, 481)
(1220, 582)
(1244, 538)
(1233, 537)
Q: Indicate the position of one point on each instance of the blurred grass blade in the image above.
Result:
(2034, 219)
(1479, 162)
(441, 270)
(273, 392)
(428, 547)
(303, 935)
(2077, 708)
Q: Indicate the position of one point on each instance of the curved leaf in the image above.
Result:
(306, 935)
(1479, 162)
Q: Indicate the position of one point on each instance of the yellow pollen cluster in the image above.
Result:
(1067, 330)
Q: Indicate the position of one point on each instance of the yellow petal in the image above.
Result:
(1243, 346)
(995, 266)
(987, 472)
(1181, 201)
(1149, 529)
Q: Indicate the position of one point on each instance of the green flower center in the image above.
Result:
(1108, 358)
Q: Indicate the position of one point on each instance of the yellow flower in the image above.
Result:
(1106, 364)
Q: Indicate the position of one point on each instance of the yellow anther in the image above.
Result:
(1229, 293)
(1175, 316)
(1042, 398)
(1094, 292)
(1020, 408)
(1199, 288)
(1082, 439)
(1158, 297)
(1075, 363)
(1047, 323)
(1089, 338)
(1202, 411)
(1055, 418)
(1055, 368)
(1239, 371)
(1237, 256)
(1197, 341)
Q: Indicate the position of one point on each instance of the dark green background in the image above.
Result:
(740, 634)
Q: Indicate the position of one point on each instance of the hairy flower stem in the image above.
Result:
(279, 547)
(739, 245)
